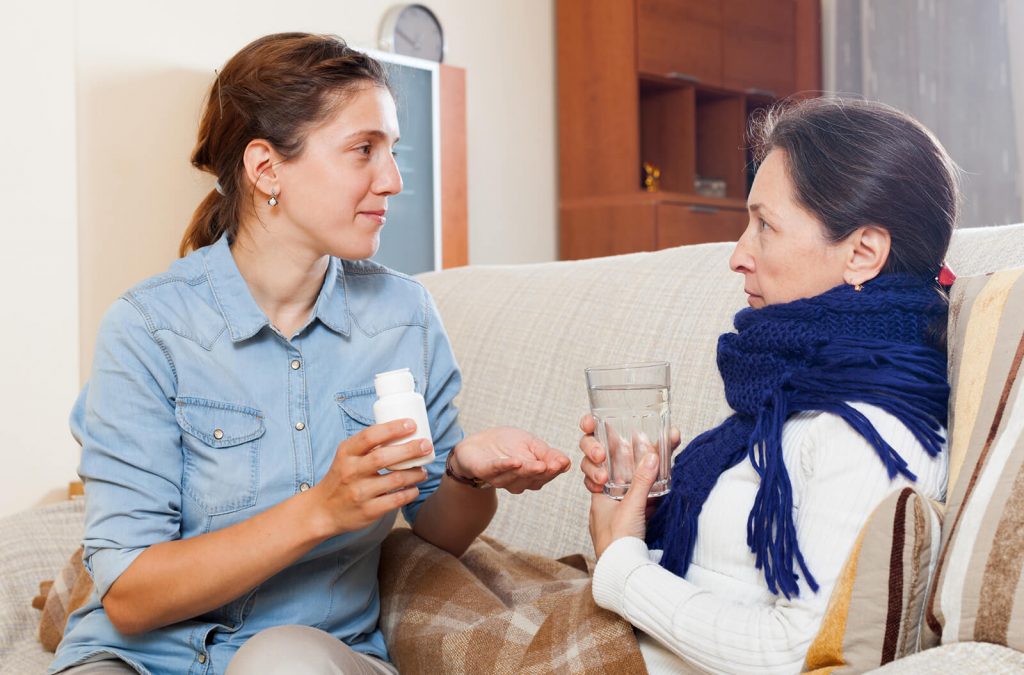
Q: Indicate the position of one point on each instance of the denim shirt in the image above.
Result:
(199, 414)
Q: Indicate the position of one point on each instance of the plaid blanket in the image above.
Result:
(496, 610)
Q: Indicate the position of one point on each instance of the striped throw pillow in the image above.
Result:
(874, 612)
(977, 592)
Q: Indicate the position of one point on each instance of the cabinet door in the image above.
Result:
(681, 39)
(758, 45)
(682, 224)
(594, 230)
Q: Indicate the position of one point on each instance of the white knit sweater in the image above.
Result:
(721, 616)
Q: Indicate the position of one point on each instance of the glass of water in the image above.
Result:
(630, 404)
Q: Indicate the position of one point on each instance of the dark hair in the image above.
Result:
(277, 88)
(856, 163)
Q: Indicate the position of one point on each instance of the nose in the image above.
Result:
(389, 179)
(741, 260)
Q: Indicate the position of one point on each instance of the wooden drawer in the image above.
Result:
(591, 231)
(682, 224)
(682, 39)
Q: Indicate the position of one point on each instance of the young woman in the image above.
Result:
(837, 378)
(235, 483)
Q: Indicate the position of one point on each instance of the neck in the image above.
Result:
(283, 278)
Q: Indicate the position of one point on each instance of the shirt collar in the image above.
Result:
(243, 316)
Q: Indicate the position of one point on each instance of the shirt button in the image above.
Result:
(296, 364)
(202, 658)
(299, 426)
(218, 434)
(303, 487)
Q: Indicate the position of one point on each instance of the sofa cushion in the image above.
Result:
(874, 612)
(524, 333)
(976, 593)
(37, 543)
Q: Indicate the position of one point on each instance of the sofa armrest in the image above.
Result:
(36, 545)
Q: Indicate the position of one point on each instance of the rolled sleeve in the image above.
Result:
(131, 446)
(444, 381)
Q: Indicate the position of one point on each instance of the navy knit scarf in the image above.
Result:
(821, 353)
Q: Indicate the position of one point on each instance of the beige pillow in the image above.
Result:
(976, 593)
(874, 613)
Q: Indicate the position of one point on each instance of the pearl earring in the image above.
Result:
(273, 198)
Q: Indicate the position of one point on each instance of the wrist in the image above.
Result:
(314, 515)
(455, 472)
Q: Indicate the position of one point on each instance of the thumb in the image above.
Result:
(643, 478)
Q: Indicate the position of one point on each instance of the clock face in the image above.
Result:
(417, 32)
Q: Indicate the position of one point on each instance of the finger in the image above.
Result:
(376, 435)
(592, 486)
(390, 501)
(398, 480)
(675, 438)
(644, 475)
(592, 449)
(594, 472)
(552, 458)
(389, 455)
(587, 424)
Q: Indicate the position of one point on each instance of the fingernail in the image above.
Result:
(408, 424)
(425, 447)
(651, 461)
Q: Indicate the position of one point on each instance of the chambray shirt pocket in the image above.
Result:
(356, 406)
(220, 443)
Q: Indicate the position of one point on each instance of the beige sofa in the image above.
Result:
(522, 335)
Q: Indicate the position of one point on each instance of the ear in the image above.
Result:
(869, 250)
(259, 159)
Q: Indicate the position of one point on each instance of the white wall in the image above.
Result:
(141, 71)
(39, 255)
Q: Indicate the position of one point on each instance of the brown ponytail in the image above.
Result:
(276, 88)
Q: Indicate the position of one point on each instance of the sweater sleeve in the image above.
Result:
(837, 482)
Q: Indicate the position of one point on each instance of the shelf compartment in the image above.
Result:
(668, 133)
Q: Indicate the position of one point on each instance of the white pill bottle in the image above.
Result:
(397, 399)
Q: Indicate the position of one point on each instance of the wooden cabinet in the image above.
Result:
(759, 49)
(672, 83)
(680, 39)
(602, 226)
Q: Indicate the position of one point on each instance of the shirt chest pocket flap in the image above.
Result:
(221, 453)
(357, 408)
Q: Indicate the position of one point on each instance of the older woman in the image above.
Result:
(837, 378)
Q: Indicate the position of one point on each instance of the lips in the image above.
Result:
(377, 216)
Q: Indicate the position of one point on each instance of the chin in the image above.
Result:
(357, 252)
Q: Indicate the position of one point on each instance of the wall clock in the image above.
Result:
(412, 30)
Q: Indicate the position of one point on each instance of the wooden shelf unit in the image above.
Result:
(673, 83)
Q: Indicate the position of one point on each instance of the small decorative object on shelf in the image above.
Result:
(709, 187)
(652, 177)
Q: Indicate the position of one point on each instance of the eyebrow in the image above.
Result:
(761, 208)
(373, 133)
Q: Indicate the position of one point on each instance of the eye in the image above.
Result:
(365, 149)
(763, 225)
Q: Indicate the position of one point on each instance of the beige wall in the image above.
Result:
(39, 256)
(141, 71)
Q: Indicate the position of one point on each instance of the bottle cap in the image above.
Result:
(394, 382)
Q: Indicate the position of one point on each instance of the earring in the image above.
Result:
(273, 198)
(858, 287)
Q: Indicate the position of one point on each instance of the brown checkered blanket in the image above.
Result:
(496, 610)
